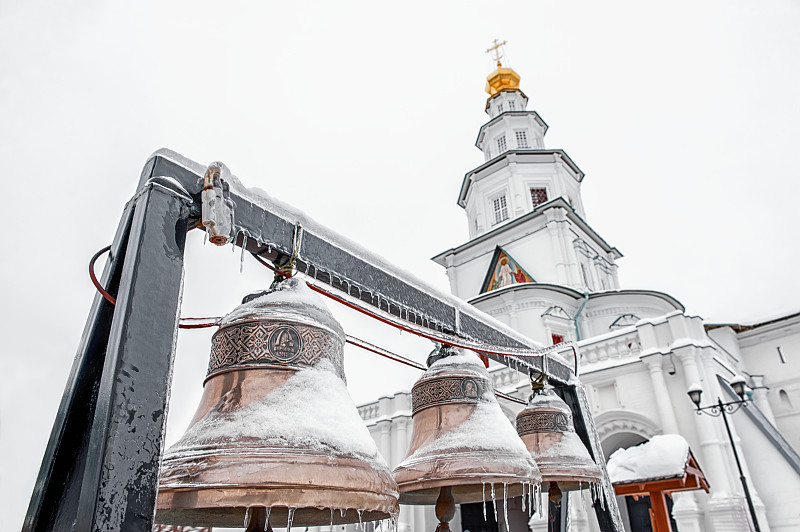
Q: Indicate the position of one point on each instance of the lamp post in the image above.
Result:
(723, 409)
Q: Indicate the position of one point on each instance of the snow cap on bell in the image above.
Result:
(461, 438)
(545, 425)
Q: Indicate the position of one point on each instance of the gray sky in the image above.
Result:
(685, 118)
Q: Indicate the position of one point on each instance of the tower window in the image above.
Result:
(557, 339)
(499, 108)
(522, 139)
(538, 196)
(512, 106)
(501, 144)
(500, 209)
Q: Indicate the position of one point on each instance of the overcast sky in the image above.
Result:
(685, 118)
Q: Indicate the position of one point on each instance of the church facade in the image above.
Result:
(534, 262)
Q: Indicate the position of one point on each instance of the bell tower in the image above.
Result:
(527, 224)
(520, 173)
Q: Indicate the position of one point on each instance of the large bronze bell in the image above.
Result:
(463, 448)
(545, 425)
(276, 437)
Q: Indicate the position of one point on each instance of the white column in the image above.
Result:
(555, 218)
(654, 363)
(711, 450)
(685, 511)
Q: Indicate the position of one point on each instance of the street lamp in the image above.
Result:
(723, 409)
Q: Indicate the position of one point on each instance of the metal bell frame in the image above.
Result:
(113, 411)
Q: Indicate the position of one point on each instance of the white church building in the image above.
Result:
(534, 263)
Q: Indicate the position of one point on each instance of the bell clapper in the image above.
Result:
(257, 519)
(445, 508)
(554, 494)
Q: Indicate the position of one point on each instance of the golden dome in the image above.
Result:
(502, 79)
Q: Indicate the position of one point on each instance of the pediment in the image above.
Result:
(504, 271)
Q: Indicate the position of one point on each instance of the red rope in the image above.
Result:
(352, 340)
(108, 297)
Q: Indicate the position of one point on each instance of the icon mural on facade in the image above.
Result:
(504, 271)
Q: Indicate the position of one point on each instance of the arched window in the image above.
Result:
(784, 399)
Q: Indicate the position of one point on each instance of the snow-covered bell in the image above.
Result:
(463, 448)
(545, 425)
(276, 438)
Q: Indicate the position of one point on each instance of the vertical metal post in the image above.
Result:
(53, 504)
(108, 473)
(739, 466)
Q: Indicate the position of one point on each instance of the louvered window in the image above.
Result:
(500, 209)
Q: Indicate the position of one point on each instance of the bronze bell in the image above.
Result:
(545, 425)
(276, 437)
(462, 447)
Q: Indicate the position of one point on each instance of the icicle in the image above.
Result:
(505, 505)
(266, 519)
(569, 514)
(291, 518)
(241, 258)
(583, 495)
(524, 484)
(494, 504)
(483, 492)
(205, 240)
(342, 511)
(539, 499)
(331, 518)
(360, 522)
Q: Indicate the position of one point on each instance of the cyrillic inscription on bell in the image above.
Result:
(276, 438)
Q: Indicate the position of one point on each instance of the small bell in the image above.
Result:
(462, 445)
(276, 437)
(545, 425)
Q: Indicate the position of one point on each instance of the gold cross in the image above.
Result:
(497, 51)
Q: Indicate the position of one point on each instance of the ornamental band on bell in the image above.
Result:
(447, 390)
(534, 422)
(274, 343)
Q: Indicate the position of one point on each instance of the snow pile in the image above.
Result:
(290, 300)
(312, 410)
(664, 456)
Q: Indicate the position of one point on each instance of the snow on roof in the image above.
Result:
(664, 456)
